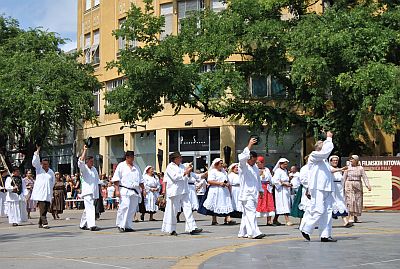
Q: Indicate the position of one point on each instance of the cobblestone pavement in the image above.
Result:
(371, 244)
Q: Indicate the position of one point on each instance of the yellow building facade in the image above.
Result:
(199, 140)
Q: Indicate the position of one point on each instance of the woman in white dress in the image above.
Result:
(218, 201)
(339, 205)
(234, 181)
(151, 190)
(282, 191)
(194, 179)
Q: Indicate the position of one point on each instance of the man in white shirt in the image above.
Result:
(43, 189)
(320, 185)
(177, 191)
(90, 190)
(294, 177)
(128, 182)
(250, 190)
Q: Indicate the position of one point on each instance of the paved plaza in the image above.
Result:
(374, 243)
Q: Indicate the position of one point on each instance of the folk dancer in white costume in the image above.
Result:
(321, 186)
(152, 190)
(304, 204)
(338, 205)
(194, 179)
(16, 191)
(218, 202)
(177, 195)
(234, 181)
(3, 191)
(90, 190)
(128, 184)
(250, 191)
(282, 191)
(43, 188)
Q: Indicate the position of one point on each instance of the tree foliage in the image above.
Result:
(336, 70)
(43, 90)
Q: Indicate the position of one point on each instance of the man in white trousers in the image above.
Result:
(250, 190)
(176, 177)
(128, 182)
(320, 187)
(90, 190)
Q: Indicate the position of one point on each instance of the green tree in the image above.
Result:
(43, 90)
(334, 70)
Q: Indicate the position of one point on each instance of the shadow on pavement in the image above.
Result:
(12, 236)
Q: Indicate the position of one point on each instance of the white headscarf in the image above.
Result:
(281, 160)
(230, 168)
(333, 156)
(147, 168)
(216, 160)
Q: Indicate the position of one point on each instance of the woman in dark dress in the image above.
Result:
(59, 194)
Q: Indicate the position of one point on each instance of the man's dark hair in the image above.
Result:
(88, 158)
(15, 168)
(45, 160)
(130, 153)
(253, 154)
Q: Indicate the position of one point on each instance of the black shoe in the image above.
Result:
(214, 223)
(129, 230)
(142, 217)
(94, 228)
(349, 225)
(173, 233)
(40, 226)
(260, 236)
(121, 230)
(306, 236)
(84, 228)
(196, 231)
(15, 224)
(329, 239)
(231, 222)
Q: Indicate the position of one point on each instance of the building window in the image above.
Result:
(88, 4)
(87, 48)
(96, 103)
(266, 86)
(185, 7)
(207, 68)
(194, 140)
(95, 49)
(96, 3)
(121, 40)
(167, 12)
(115, 83)
(145, 149)
(218, 5)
